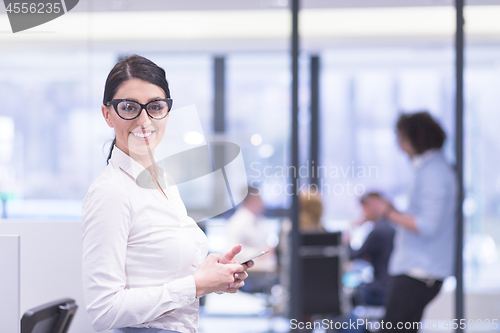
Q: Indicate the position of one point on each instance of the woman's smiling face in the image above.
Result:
(134, 136)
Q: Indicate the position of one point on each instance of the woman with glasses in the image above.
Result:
(145, 261)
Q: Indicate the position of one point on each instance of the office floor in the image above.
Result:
(239, 313)
(247, 313)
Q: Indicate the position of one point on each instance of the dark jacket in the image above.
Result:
(377, 249)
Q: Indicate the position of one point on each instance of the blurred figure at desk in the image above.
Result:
(310, 216)
(376, 250)
(311, 210)
(248, 228)
(310, 213)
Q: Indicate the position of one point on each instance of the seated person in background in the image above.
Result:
(376, 249)
(247, 227)
(311, 209)
(310, 213)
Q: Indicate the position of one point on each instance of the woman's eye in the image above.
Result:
(128, 107)
(155, 107)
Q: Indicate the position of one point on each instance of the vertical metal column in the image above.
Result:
(295, 296)
(459, 110)
(219, 95)
(314, 125)
(219, 121)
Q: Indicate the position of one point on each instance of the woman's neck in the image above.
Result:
(146, 161)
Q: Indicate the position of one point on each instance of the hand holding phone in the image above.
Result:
(256, 255)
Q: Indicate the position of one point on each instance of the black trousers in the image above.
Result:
(406, 302)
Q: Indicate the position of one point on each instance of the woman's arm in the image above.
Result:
(436, 194)
(406, 221)
(387, 210)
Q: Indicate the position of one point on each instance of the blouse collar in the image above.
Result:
(137, 171)
(126, 163)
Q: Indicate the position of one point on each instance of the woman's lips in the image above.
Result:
(143, 136)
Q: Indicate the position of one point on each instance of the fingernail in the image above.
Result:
(236, 275)
(230, 285)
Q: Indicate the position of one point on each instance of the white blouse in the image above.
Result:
(140, 252)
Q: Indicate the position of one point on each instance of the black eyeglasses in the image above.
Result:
(129, 109)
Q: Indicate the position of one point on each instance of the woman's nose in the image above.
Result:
(143, 119)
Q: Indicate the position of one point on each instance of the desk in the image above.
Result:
(51, 260)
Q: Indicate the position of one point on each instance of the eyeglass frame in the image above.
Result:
(115, 102)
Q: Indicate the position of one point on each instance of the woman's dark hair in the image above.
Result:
(132, 67)
(422, 130)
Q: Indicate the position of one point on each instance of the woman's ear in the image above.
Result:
(106, 114)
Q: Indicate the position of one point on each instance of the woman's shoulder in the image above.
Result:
(438, 172)
(109, 183)
(438, 165)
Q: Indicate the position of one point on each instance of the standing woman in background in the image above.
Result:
(145, 261)
(424, 243)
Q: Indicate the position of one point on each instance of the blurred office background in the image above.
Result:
(377, 58)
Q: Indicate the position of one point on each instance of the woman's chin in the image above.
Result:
(141, 151)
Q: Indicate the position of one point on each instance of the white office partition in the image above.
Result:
(9, 283)
(50, 266)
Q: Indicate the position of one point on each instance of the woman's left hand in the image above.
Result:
(239, 277)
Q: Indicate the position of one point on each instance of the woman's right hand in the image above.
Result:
(214, 276)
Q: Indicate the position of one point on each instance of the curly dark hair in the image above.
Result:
(422, 130)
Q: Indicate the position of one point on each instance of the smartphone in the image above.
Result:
(244, 261)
